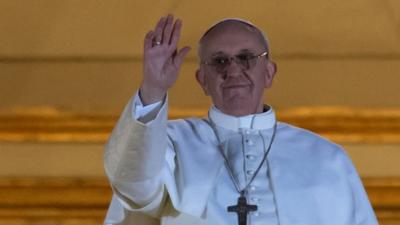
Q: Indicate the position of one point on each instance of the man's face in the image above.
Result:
(235, 90)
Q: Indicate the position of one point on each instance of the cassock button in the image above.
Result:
(249, 142)
(250, 157)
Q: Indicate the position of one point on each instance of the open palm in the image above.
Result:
(162, 60)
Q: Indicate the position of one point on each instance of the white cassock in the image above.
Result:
(174, 171)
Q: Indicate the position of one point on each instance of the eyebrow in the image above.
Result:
(245, 50)
(218, 53)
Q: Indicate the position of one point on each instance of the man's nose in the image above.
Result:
(234, 69)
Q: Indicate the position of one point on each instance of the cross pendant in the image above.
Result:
(242, 209)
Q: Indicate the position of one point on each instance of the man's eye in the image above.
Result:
(220, 61)
(244, 57)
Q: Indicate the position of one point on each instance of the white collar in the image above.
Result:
(260, 121)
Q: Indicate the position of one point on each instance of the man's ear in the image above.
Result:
(270, 74)
(201, 79)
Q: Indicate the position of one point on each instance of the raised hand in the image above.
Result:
(162, 60)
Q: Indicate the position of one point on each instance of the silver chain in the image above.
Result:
(243, 191)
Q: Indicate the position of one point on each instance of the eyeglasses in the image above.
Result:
(245, 61)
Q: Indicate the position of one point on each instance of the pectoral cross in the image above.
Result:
(242, 209)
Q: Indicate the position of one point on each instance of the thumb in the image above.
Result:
(180, 56)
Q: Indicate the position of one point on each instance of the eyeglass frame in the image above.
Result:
(234, 58)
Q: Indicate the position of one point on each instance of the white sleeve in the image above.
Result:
(143, 113)
(136, 157)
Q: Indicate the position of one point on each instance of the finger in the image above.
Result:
(159, 29)
(176, 33)
(168, 29)
(148, 40)
(180, 56)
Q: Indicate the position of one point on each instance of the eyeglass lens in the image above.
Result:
(221, 63)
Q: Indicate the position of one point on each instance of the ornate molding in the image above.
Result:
(340, 124)
(384, 194)
(86, 199)
(348, 125)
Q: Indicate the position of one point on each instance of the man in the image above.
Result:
(237, 166)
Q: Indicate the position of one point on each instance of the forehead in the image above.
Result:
(231, 37)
